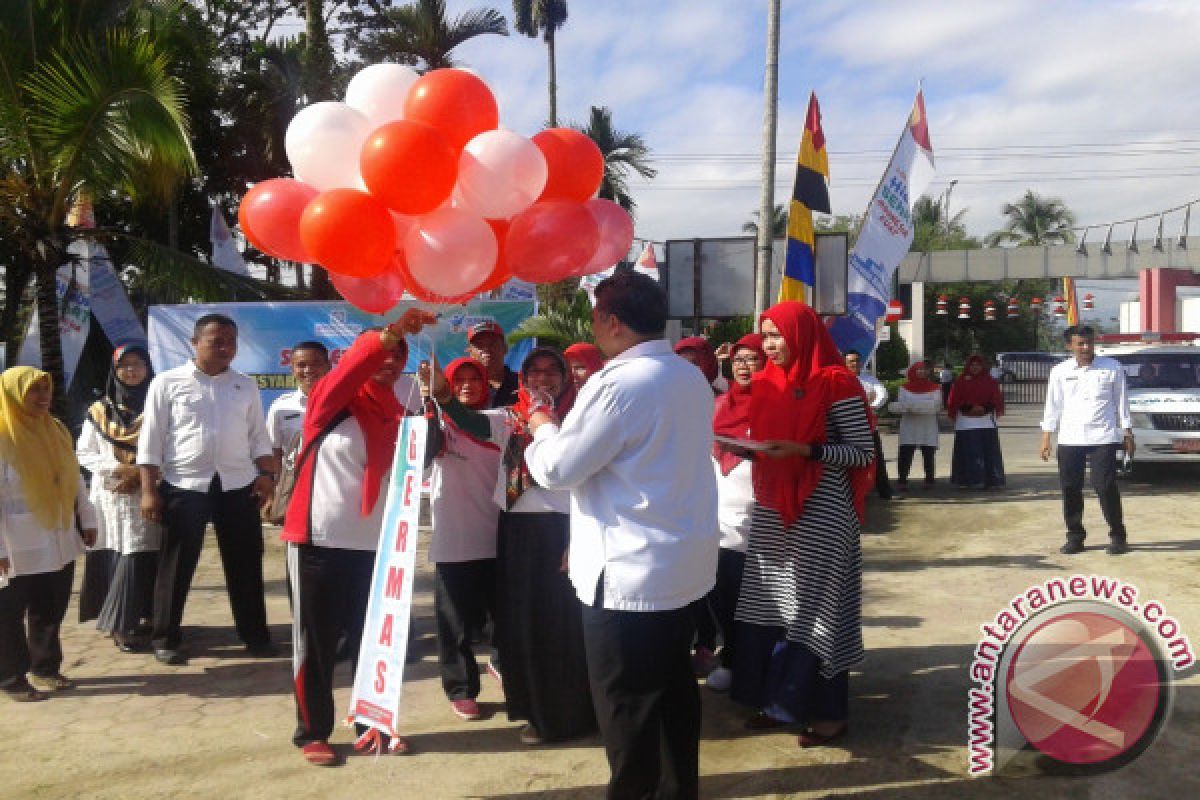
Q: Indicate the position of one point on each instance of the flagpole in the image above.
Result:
(766, 207)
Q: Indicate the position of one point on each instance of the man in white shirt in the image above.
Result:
(1086, 403)
(205, 456)
(634, 453)
(877, 397)
(309, 362)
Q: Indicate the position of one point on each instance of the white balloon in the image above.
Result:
(378, 91)
(323, 143)
(500, 173)
(450, 251)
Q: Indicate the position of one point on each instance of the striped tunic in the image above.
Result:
(807, 579)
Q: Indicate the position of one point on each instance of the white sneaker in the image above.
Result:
(720, 679)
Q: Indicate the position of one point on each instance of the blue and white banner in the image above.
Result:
(886, 236)
(74, 315)
(375, 701)
(110, 303)
(267, 332)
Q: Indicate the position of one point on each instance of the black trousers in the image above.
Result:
(330, 590)
(464, 601)
(1072, 462)
(883, 487)
(32, 608)
(646, 700)
(724, 597)
(905, 459)
(234, 515)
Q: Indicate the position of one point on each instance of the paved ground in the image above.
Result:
(942, 563)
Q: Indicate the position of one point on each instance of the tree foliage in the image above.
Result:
(560, 324)
(1035, 220)
(624, 153)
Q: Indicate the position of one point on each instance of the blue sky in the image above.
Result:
(1092, 102)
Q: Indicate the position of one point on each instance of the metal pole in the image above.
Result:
(766, 206)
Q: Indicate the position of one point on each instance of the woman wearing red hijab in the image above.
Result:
(975, 404)
(697, 350)
(799, 628)
(735, 497)
(335, 516)
(918, 403)
(585, 360)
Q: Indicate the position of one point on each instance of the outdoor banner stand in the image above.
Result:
(375, 701)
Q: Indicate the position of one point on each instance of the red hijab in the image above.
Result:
(920, 385)
(452, 370)
(706, 359)
(378, 413)
(587, 354)
(791, 404)
(975, 390)
(731, 414)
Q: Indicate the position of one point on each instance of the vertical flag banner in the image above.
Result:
(810, 192)
(74, 314)
(1072, 298)
(647, 263)
(225, 254)
(887, 234)
(375, 701)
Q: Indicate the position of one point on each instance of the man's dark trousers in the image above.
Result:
(234, 515)
(647, 703)
(1072, 461)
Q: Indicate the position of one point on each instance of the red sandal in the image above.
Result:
(319, 754)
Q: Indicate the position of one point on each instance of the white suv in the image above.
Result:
(1164, 397)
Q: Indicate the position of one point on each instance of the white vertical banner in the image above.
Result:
(225, 254)
(375, 701)
(74, 314)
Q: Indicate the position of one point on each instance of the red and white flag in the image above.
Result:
(647, 263)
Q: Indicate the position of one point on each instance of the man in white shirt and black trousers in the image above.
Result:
(634, 453)
(1087, 404)
(205, 456)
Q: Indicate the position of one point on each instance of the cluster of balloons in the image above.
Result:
(411, 185)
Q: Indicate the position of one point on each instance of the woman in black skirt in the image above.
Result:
(539, 627)
(107, 448)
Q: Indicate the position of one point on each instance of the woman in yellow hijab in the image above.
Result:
(45, 521)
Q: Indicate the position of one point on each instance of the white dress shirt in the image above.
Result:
(195, 426)
(634, 453)
(30, 548)
(1087, 405)
(285, 418)
(918, 420)
(877, 393)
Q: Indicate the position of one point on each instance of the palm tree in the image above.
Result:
(779, 219)
(559, 324)
(1034, 220)
(87, 108)
(931, 229)
(532, 17)
(420, 33)
(623, 153)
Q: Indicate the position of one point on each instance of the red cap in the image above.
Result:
(491, 326)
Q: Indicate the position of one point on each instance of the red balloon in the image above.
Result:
(374, 295)
(455, 102)
(269, 215)
(616, 235)
(550, 240)
(574, 162)
(500, 273)
(349, 232)
(409, 166)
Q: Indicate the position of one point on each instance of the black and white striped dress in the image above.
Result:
(807, 578)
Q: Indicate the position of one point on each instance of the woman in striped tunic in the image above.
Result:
(799, 628)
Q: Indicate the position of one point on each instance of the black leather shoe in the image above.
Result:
(1071, 548)
(172, 658)
(1117, 547)
(263, 650)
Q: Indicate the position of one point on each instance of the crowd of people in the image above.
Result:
(610, 520)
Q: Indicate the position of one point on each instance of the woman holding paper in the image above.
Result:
(539, 624)
(735, 497)
(334, 519)
(45, 521)
(799, 627)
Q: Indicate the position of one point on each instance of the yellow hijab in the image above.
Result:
(41, 451)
